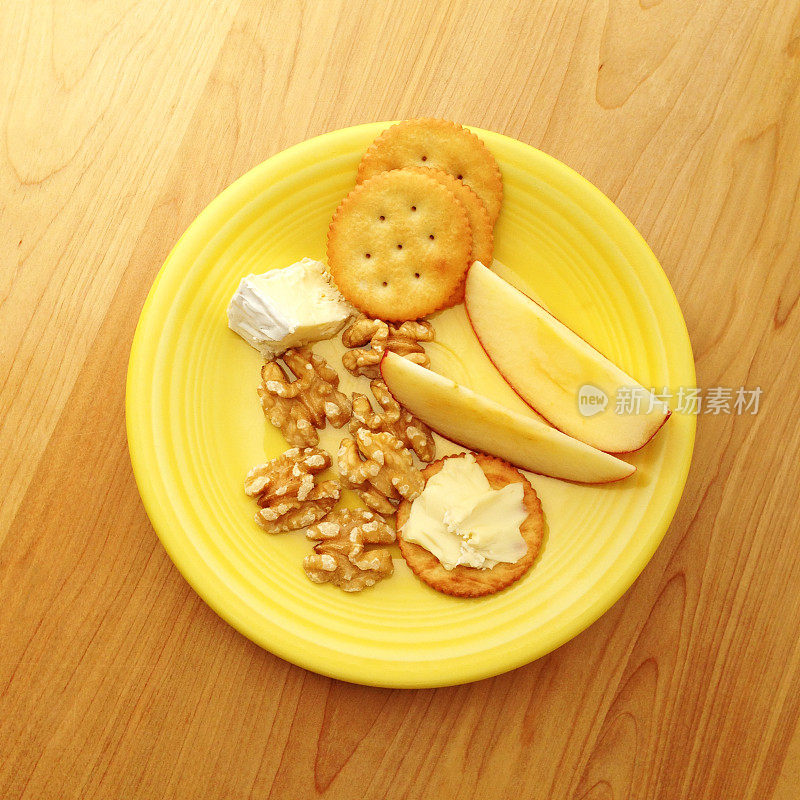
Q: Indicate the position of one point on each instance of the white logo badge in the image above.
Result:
(591, 400)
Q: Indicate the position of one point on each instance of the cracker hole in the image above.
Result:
(384, 284)
(431, 236)
(424, 158)
(367, 255)
(416, 274)
(413, 208)
(460, 177)
(381, 218)
(399, 247)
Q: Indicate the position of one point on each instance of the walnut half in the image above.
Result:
(380, 469)
(413, 432)
(382, 336)
(287, 492)
(340, 556)
(309, 402)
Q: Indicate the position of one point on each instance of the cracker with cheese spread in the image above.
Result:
(473, 581)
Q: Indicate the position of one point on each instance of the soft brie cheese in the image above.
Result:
(288, 307)
(462, 520)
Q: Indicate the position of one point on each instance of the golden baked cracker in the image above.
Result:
(469, 581)
(399, 245)
(479, 221)
(482, 228)
(441, 144)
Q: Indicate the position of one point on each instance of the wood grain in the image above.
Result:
(120, 121)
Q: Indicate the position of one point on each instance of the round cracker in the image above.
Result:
(443, 145)
(399, 245)
(479, 220)
(482, 228)
(470, 581)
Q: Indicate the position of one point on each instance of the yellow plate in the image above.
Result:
(195, 425)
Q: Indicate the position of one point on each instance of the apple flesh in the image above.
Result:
(474, 421)
(555, 371)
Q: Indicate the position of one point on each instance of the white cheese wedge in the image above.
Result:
(289, 307)
(462, 520)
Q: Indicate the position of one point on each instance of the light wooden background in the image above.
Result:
(119, 122)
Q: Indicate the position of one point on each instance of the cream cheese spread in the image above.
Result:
(462, 520)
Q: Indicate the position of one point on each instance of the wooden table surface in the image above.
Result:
(119, 122)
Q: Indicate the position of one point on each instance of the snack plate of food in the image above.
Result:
(388, 476)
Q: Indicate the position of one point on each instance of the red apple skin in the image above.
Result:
(461, 444)
(530, 405)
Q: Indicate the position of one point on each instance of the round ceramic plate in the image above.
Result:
(195, 426)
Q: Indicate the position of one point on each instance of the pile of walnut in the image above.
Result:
(299, 397)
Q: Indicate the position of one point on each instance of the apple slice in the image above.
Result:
(474, 421)
(557, 373)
